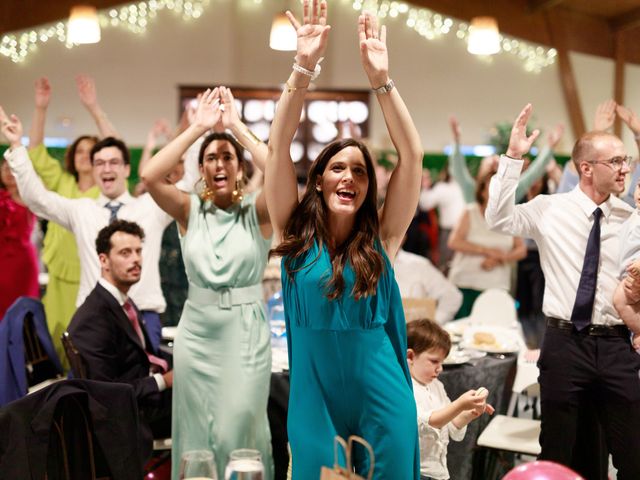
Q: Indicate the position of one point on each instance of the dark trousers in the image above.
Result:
(582, 374)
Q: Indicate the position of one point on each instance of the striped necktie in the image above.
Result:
(113, 207)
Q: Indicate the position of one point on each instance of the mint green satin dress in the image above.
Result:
(222, 350)
(349, 373)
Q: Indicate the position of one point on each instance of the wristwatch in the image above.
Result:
(386, 88)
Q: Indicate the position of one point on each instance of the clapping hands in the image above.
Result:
(208, 113)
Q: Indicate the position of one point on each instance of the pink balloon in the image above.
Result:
(542, 470)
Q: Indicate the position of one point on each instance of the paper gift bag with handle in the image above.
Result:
(346, 473)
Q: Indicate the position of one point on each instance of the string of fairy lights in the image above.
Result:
(136, 17)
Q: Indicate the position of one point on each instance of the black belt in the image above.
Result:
(595, 330)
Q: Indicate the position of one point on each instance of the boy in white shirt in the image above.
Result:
(438, 417)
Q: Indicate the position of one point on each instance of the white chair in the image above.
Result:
(495, 307)
(509, 433)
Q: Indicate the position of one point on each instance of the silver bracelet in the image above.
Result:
(386, 88)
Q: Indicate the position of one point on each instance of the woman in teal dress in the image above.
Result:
(345, 324)
(222, 349)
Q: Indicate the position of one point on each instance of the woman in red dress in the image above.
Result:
(18, 259)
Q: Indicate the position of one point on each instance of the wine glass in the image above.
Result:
(244, 464)
(198, 465)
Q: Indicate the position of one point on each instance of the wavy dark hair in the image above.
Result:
(308, 224)
(70, 154)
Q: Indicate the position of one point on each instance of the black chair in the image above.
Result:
(76, 361)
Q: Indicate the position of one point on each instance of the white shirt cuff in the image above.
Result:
(509, 167)
(160, 381)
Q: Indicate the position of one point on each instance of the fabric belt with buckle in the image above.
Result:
(594, 330)
(227, 297)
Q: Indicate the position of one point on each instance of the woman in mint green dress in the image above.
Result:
(222, 350)
(345, 324)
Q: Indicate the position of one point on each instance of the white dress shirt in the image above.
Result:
(629, 243)
(560, 224)
(85, 217)
(448, 198)
(418, 278)
(121, 298)
(434, 441)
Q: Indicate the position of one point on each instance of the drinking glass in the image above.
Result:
(244, 464)
(198, 465)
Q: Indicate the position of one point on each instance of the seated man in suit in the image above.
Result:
(109, 331)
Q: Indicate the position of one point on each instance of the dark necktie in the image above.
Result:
(113, 207)
(585, 296)
(157, 364)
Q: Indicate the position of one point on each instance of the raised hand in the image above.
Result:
(208, 112)
(11, 128)
(230, 116)
(42, 92)
(605, 115)
(519, 142)
(312, 33)
(554, 136)
(160, 128)
(87, 90)
(455, 129)
(373, 50)
(629, 118)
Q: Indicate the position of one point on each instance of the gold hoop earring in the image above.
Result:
(238, 194)
(205, 193)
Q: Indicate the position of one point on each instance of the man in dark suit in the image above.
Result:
(109, 331)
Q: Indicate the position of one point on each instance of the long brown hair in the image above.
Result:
(70, 154)
(308, 224)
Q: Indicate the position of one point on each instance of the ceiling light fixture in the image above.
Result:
(283, 35)
(484, 37)
(83, 26)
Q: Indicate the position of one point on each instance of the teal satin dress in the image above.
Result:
(222, 350)
(349, 374)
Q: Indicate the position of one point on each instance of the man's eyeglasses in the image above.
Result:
(617, 163)
(114, 162)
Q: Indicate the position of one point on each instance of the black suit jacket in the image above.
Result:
(27, 426)
(110, 347)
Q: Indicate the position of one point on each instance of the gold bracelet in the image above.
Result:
(251, 136)
(291, 88)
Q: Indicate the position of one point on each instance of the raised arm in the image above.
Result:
(538, 166)
(280, 176)
(42, 98)
(33, 193)
(173, 201)
(159, 129)
(231, 121)
(89, 98)
(501, 213)
(404, 185)
(458, 164)
(605, 115)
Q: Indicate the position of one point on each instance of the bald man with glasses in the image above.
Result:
(586, 356)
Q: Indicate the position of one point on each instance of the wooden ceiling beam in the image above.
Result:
(619, 77)
(626, 21)
(567, 78)
(536, 6)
